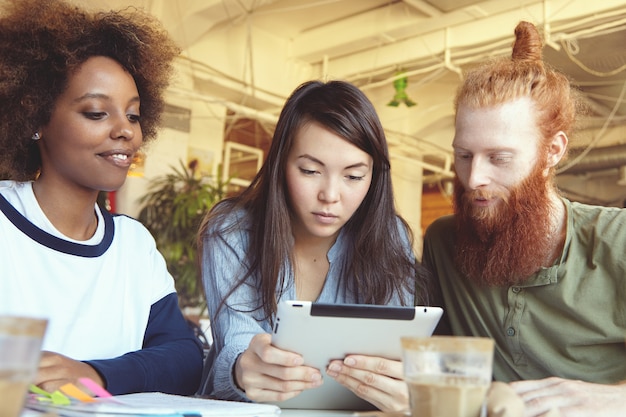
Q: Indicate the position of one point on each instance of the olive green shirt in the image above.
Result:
(568, 320)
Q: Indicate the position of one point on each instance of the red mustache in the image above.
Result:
(481, 194)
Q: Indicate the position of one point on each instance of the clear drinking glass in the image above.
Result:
(20, 349)
(447, 375)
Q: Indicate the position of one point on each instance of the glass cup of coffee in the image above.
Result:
(447, 375)
(20, 349)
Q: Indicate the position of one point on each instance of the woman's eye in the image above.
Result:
(95, 115)
(135, 118)
(307, 171)
(356, 177)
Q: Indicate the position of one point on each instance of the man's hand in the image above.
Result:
(377, 380)
(267, 373)
(502, 401)
(570, 398)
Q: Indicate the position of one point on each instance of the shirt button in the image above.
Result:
(510, 331)
(516, 289)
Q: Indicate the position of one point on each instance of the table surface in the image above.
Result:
(331, 413)
(315, 413)
(289, 413)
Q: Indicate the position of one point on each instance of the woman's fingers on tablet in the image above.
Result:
(293, 377)
(261, 345)
(376, 380)
(268, 388)
(267, 373)
(380, 366)
(267, 395)
(279, 383)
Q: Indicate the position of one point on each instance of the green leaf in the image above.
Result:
(172, 210)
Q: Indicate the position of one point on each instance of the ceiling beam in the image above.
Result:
(189, 20)
(424, 7)
(376, 29)
(461, 36)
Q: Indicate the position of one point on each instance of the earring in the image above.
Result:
(35, 136)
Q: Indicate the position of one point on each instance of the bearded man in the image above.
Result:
(543, 276)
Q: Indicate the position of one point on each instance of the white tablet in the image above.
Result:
(322, 332)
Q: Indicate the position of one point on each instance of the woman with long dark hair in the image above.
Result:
(317, 223)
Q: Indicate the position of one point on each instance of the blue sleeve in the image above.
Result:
(223, 261)
(170, 360)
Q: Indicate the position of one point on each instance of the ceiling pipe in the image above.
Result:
(597, 159)
(236, 108)
(448, 59)
(547, 29)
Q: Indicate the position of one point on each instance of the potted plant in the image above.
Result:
(172, 210)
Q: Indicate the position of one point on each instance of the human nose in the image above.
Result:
(478, 175)
(329, 192)
(124, 129)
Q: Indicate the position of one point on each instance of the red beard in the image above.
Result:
(504, 244)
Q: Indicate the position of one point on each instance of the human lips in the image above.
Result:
(481, 201)
(120, 158)
(324, 217)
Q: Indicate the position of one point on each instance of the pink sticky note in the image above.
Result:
(97, 390)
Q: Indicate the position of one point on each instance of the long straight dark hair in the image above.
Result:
(379, 265)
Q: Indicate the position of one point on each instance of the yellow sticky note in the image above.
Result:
(73, 391)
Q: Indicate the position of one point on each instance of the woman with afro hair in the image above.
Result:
(80, 93)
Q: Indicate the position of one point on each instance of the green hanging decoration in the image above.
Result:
(401, 96)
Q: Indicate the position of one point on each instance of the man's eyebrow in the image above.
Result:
(503, 149)
(488, 150)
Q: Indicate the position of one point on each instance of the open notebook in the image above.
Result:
(152, 404)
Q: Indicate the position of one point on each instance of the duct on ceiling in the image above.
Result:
(596, 159)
